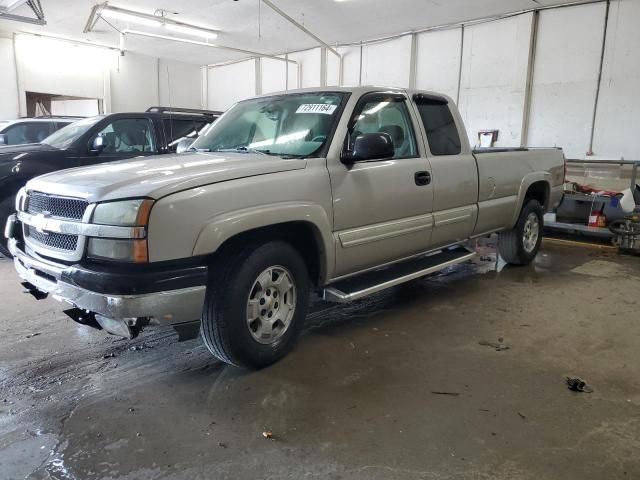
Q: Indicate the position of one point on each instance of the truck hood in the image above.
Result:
(158, 176)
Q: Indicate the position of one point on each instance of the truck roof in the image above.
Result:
(359, 90)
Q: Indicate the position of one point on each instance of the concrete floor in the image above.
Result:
(355, 400)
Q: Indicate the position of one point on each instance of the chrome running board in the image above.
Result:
(354, 288)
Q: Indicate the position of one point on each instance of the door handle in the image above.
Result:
(422, 178)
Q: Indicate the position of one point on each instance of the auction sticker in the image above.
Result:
(317, 108)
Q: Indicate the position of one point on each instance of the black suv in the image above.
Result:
(100, 139)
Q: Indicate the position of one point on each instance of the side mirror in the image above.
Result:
(184, 144)
(3, 139)
(370, 146)
(98, 145)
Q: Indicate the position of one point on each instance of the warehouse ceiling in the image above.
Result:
(247, 25)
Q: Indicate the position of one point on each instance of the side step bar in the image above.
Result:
(354, 288)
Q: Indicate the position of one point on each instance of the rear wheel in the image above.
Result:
(256, 304)
(520, 245)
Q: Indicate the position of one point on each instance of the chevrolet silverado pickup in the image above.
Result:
(341, 191)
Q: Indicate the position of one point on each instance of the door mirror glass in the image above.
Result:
(3, 139)
(98, 144)
(370, 146)
(184, 144)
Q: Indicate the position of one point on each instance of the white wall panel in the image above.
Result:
(81, 108)
(293, 72)
(438, 61)
(8, 84)
(230, 83)
(618, 120)
(565, 77)
(62, 68)
(134, 84)
(310, 64)
(387, 63)
(350, 67)
(274, 75)
(180, 84)
(494, 77)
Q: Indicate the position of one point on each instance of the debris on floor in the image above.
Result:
(576, 384)
(31, 335)
(453, 394)
(499, 346)
(268, 435)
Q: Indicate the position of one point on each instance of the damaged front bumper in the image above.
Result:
(122, 301)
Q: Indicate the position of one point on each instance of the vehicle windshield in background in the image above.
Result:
(67, 135)
(290, 125)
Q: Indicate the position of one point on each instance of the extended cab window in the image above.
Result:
(383, 114)
(442, 133)
(128, 135)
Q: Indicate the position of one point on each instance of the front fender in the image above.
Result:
(226, 226)
(527, 181)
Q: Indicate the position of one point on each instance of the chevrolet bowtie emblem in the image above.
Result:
(40, 222)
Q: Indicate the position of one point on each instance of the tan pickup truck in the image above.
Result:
(345, 191)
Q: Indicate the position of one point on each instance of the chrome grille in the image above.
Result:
(54, 240)
(61, 207)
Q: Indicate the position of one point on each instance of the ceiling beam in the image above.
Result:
(204, 44)
(298, 25)
(21, 18)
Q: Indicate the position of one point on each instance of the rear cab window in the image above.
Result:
(178, 128)
(442, 133)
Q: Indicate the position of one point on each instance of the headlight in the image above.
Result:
(129, 213)
(133, 251)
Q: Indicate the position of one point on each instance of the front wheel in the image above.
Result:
(256, 304)
(520, 245)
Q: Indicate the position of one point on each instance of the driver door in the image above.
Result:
(123, 138)
(382, 208)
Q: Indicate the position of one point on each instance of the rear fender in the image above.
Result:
(527, 181)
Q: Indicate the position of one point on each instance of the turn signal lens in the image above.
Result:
(132, 251)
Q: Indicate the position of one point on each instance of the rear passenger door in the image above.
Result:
(453, 170)
(382, 208)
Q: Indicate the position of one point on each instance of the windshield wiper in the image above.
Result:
(244, 150)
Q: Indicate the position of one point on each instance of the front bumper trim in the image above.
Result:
(167, 307)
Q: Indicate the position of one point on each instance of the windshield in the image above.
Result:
(296, 125)
(67, 135)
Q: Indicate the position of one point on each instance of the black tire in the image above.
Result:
(6, 209)
(225, 329)
(511, 243)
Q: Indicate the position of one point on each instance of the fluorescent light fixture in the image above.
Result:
(127, 17)
(198, 32)
(149, 19)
